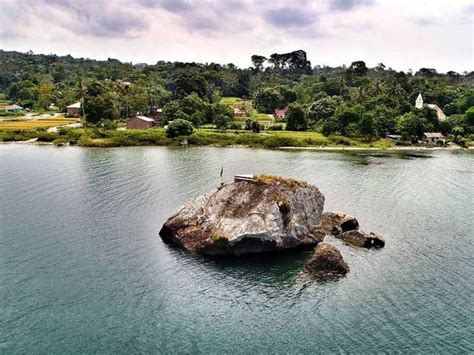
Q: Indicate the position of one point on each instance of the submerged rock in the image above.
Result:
(326, 261)
(362, 239)
(337, 222)
(267, 214)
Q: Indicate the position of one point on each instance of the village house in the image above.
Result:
(239, 113)
(439, 112)
(280, 113)
(156, 114)
(74, 109)
(432, 138)
(13, 108)
(140, 122)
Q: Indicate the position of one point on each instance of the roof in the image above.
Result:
(75, 105)
(433, 135)
(144, 118)
(13, 107)
(280, 111)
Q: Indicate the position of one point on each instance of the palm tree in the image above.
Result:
(80, 93)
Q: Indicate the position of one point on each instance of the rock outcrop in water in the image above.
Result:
(362, 239)
(337, 223)
(326, 261)
(267, 214)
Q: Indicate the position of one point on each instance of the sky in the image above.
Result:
(402, 34)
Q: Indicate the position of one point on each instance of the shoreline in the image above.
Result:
(288, 148)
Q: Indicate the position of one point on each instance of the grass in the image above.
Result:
(200, 137)
(20, 125)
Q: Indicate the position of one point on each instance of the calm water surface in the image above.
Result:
(82, 269)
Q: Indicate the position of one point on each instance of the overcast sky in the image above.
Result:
(402, 34)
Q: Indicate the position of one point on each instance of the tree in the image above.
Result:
(358, 68)
(346, 116)
(100, 103)
(45, 95)
(172, 110)
(179, 127)
(296, 118)
(469, 117)
(221, 121)
(267, 100)
(411, 124)
(257, 61)
(322, 109)
(367, 125)
(189, 82)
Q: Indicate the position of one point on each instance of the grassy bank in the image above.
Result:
(201, 137)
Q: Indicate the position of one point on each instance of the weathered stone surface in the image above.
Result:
(249, 217)
(326, 261)
(362, 239)
(337, 222)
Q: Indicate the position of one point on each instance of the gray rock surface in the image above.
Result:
(249, 217)
(326, 261)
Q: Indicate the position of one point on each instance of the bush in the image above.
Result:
(60, 142)
(340, 140)
(276, 127)
(235, 125)
(179, 127)
(221, 121)
(47, 136)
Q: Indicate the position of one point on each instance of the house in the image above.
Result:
(74, 109)
(140, 122)
(280, 113)
(239, 113)
(432, 138)
(393, 137)
(156, 114)
(13, 108)
(439, 112)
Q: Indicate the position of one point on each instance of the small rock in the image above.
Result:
(326, 261)
(362, 239)
(339, 220)
(377, 240)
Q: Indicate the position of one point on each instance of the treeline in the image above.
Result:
(352, 101)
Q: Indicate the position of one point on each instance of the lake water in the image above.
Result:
(83, 270)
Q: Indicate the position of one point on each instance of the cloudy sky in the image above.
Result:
(402, 34)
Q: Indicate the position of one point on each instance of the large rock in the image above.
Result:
(326, 261)
(337, 222)
(362, 239)
(249, 216)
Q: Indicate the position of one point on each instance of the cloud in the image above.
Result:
(345, 5)
(290, 17)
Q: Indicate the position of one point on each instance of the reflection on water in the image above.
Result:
(82, 268)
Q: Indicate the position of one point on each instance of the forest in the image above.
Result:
(351, 100)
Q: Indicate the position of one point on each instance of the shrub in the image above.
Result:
(47, 136)
(276, 127)
(235, 125)
(179, 127)
(60, 142)
(340, 140)
(221, 121)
